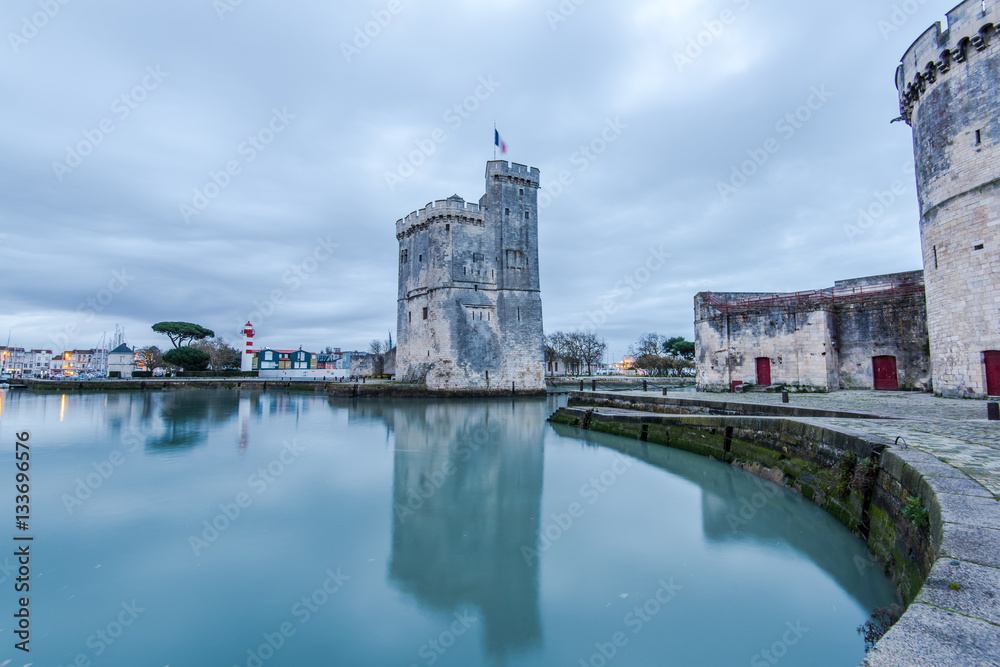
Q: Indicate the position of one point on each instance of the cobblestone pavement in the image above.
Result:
(954, 430)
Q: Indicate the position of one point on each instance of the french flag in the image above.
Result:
(502, 145)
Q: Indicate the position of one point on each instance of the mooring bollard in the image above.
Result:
(664, 391)
(644, 385)
(581, 385)
(784, 397)
(993, 412)
(512, 390)
(593, 385)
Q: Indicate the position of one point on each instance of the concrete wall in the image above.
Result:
(469, 308)
(825, 342)
(947, 84)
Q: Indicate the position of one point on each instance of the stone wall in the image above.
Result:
(366, 365)
(814, 341)
(469, 308)
(947, 85)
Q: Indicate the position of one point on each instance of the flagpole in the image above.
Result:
(494, 141)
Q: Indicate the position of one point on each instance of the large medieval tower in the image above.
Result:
(470, 308)
(948, 93)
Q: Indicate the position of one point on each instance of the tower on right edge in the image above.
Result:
(948, 94)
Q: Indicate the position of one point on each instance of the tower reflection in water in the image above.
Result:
(467, 489)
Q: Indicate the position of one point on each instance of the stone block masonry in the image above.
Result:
(815, 341)
(947, 89)
(469, 310)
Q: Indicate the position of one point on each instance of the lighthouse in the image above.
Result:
(246, 363)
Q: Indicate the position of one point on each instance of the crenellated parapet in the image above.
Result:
(454, 209)
(512, 172)
(939, 51)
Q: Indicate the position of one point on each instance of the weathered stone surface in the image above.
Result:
(968, 510)
(975, 545)
(947, 86)
(470, 309)
(813, 341)
(927, 636)
(977, 593)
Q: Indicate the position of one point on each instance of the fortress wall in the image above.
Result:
(947, 84)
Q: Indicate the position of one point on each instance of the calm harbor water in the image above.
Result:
(226, 528)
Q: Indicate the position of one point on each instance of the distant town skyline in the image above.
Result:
(212, 162)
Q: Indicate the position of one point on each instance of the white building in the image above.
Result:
(121, 360)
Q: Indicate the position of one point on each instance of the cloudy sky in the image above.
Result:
(215, 161)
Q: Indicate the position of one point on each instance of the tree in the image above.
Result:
(567, 347)
(222, 355)
(648, 345)
(592, 348)
(549, 351)
(151, 357)
(679, 347)
(182, 332)
(188, 358)
(377, 347)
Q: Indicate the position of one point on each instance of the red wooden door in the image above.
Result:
(763, 371)
(886, 378)
(993, 373)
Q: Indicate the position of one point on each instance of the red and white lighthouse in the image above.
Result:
(246, 363)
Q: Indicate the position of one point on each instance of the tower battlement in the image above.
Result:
(947, 94)
(469, 312)
(453, 209)
(939, 50)
(513, 170)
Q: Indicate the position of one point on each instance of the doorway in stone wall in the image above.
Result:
(884, 370)
(763, 371)
(992, 360)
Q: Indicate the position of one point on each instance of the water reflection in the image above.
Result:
(740, 507)
(187, 417)
(467, 490)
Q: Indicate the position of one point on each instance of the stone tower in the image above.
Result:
(948, 94)
(470, 308)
